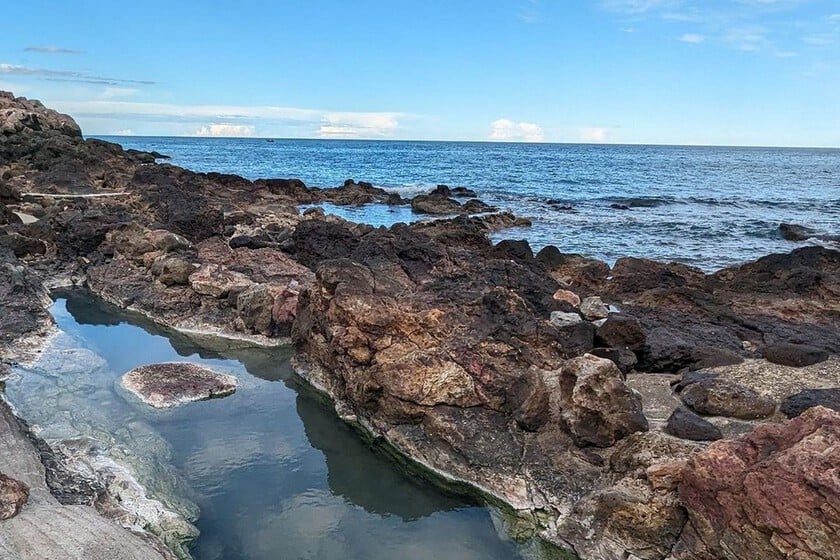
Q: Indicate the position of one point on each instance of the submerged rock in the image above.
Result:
(170, 384)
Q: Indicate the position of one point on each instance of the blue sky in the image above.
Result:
(727, 72)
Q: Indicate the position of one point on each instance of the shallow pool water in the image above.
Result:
(274, 473)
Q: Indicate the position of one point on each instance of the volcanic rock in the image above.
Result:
(796, 355)
(772, 494)
(13, 496)
(621, 331)
(714, 396)
(686, 425)
(800, 402)
(169, 384)
(594, 309)
(596, 405)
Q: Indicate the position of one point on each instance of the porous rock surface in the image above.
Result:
(170, 384)
(441, 344)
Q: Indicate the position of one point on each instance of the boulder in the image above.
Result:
(796, 355)
(435, 204)
(13, 496)
(255, 306)
(594, 309)
(595, 404)
(622, 357)
(796, 404)
(562, 319)
(476, 206)
(773, 494)
(713, 396)
(621, 331)
(217, 281)
(529, 401)
(686, 425)
(166, 385)
(569, 297)
(172, 271)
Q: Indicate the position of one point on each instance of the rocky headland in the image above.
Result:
(640, 411)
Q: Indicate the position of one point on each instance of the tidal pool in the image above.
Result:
(273, 472)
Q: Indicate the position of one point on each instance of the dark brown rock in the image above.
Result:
(713, 396)
(621, 331)
(435, 204)
(772, 494)
(529, 402)
(622, 357)
(796, 355)
(686, 425)
(796, 404)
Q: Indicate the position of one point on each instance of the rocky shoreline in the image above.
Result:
(584, 397)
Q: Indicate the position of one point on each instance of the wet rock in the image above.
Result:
(772, 494)
(686, 425)
(621, 331)
(713, 396)
(462, 192)
(794, 232)
(170, 384)
(622, 357)
(13, 496)
(596, 405)
(796, 355)
(217, 281)
(594, 309)
(796, 404)
(476, 206)
(435, 204)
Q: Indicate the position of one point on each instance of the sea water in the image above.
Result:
(709, 207)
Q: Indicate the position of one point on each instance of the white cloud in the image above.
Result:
(113, 92)
(52, 50)
(358, 125)
(225, 130)
(594, 135)
(124, 132)
(507, 130)
(692, 38)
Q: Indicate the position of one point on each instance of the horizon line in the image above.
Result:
(507, 142)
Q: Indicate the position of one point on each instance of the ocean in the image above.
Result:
(709, 207)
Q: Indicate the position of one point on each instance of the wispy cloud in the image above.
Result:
(508, 130)
(226, 130)
(358, 125)
(215, 120)
(52, 50)
(637, 6)
(65, 75)
(595, 135)
(692, 38)
(116, 92)
(529, 11)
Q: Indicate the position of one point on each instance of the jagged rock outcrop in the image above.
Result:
(442, 344)
(772, 494)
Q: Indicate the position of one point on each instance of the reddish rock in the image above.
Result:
(773, 494)
(170, 384)
(13, 496)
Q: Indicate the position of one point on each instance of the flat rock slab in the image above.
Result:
(170, 384)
